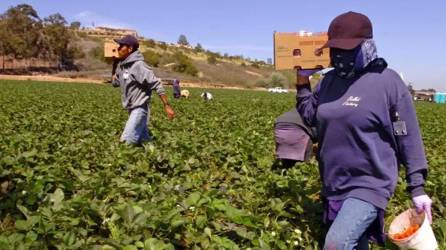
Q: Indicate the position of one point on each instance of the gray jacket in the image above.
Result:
(137, 81)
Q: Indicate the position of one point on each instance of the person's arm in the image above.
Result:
(144, 75)
(410, 145)
(307, 101)
(115, 76)
(169, 111)
(411, 149)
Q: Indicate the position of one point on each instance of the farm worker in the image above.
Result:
(176, 89)
(207, 96)
(137, 81)
(185, 93)
(294, 139)
(367, 126)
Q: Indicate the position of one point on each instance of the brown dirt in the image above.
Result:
(49, 78)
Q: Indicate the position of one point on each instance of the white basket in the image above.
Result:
(422, 239)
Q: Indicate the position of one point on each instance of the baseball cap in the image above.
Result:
(128, 40)
(348, 30)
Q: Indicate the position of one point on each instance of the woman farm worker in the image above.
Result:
(367, 127)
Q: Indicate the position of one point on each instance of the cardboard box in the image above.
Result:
(110, 50)
(297, 49)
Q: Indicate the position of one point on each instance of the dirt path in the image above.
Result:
(49, 78)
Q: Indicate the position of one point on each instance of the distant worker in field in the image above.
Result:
(137, 81)
(207, 96)
(185, 93)
(294, 139)
(176, 88)
(367, 126)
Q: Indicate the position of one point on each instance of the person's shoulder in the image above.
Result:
(386, 76)
(142, 64)
(390, 73)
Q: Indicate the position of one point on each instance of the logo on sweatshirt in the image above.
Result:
(126, 74)
(352, 101)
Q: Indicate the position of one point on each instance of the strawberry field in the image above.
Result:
(207, 181)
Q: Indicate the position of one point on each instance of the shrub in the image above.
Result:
(97, 53)
(163, 45)
(182, 40)
(183, 64)
(76, 53)
(212, 59)
(149, 43)
(152, 58)
(199, 48)
(276, 79)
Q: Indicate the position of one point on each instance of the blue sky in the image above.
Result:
(408, 33)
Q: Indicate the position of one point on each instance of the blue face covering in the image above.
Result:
(347, 63)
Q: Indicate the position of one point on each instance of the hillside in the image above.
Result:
(50, 46)
(183, 62)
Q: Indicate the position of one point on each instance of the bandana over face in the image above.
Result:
(347, 63)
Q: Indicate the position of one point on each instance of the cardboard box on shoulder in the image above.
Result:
(297, 49)
(110, 50)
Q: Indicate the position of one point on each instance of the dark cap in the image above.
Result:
(128, 40)
(348, 30)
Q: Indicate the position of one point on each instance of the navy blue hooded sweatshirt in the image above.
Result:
(359, 154)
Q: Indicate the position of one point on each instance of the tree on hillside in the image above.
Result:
(21, 36)
(75, 25)
(212, 59)
(24, 35)
(59, 38)
(3, 42)
(184, 64)
(199, 48)
(182, 40)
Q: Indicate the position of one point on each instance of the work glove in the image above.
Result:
(307, 72)
(422, 204)
(303, 75)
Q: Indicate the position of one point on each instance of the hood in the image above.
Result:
(376, 66)
(134, 57)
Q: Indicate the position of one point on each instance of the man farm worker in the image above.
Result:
(137, 81)
(367, 127)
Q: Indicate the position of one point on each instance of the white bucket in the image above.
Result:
(422, 239)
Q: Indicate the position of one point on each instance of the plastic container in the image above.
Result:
(422, 239)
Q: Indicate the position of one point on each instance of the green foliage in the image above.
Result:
(163, 45)
(276, 79)
(198, 48)
(212, 59)
(76, 25)
(150, 43)
(97, 53)
(214, 54)
(24, 35)
(152, 58)
(206, 182)
(183, 64)
(182, 40)
(21, 32)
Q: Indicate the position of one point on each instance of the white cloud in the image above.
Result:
(88, 18)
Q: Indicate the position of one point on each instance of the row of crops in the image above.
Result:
(207, 181)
